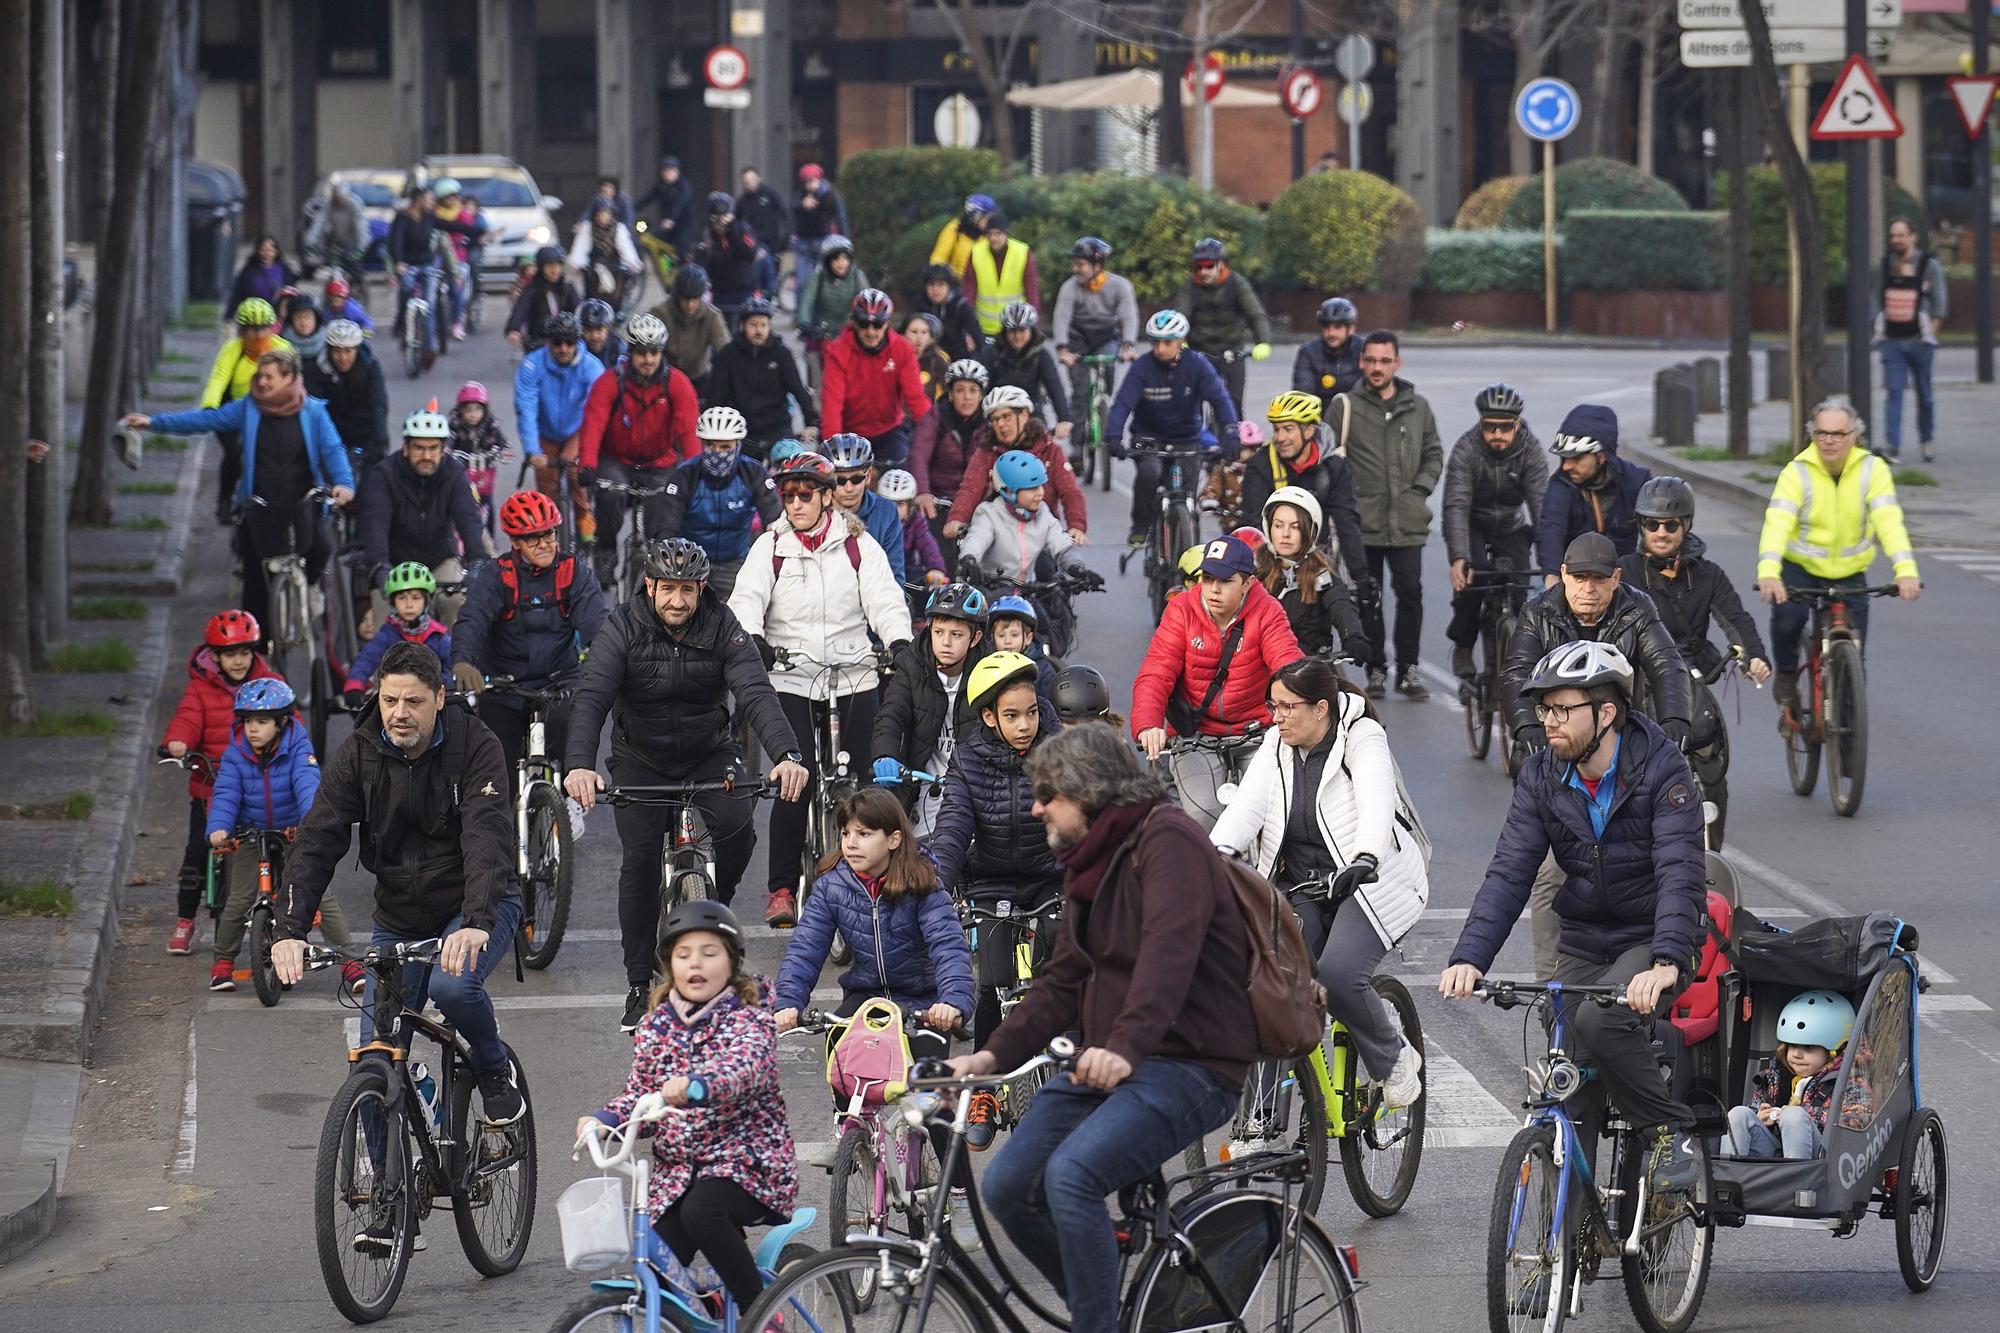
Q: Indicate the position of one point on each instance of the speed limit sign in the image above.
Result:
(726, 67)
(1301, 92)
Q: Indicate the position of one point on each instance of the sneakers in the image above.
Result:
(1378, 683)
(1411, 685)
(980, 1121)
(782, 911)
(182, 940)
(353, 976)
(378, 1241)
(1405, 1082)
(1136, 537)
(1930, 454)
(500, 1101)
(1675, 1169)
(458, 331)
(635, 1009)
(819, 1156)
(1462, 664)
(222, 976)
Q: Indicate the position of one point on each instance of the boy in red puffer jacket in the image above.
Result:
(201, 725)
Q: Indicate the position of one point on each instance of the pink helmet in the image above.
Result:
(812, 171)
(471, 392)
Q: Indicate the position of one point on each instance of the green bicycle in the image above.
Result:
(1093, 458)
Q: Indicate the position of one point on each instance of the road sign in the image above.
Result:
(1300, 91)
(1857, 108)
(1723, 48)
(725, 67)
(1354, 58)
(1786, 13)
(1212, 78)
(1547, 109)
(1973, 96)
(957, 122)
(726, 99)
(1355, 103)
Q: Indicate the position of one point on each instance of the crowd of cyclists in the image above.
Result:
(884, 538)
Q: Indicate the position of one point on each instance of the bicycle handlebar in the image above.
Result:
(879, 658)
(1824, 596)
(1509, 575)
(679, 793)
(510, 686)
(193, 759)
(1147, 446)
(1061, 1052)
(1514, 994)
(818, 1021)
(376, 957)
(634, 492)
(1253, 731)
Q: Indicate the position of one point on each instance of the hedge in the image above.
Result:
(1770, 248)
(1630, 249)
(1345, 231)
(1485, 206)
(898, 267)
(1459, 262)
(888, 190)
(1592, 182)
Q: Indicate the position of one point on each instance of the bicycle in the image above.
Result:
(632, 553)
(660, 252)
(1235, 1259)
(396, 1140)
(687, 865)
(1710, 763)
(1233, 752)
(418, 288)
(1031, 927)
(296, 626)
(543, 863)
(261, 922)
(1486, 702)
(1834, 694)
(1053, 599)
(1176, 527)
(1094, 389)
(1662, 1243)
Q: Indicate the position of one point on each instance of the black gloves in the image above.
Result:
(1088, 579)
(1361, 870)
(587, 477)
(765, 651)
(353, 699)
(1678, 731)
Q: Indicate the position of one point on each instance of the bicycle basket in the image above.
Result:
(1839, 953)
(870, 1063)
(596, 1227)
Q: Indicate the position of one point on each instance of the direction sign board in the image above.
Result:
(1786, 13)
(1857, 108)
(1546, 109)
(1720, 48)
(1972, 94)
(1300, 91)
(1211, 82)
(1355, 103)
(726, 67)
(1355, 57)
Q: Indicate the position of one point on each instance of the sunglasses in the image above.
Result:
(562, 342)
(871, 323)
(792, 494)
(1206, 264)
(851, 479)
(1500, 427)
(1661, 524)
(1044, 793)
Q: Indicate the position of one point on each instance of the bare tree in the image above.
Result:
(47, 563)
(1207, 15)
(968, 24)
(1800, 202)
(1535, 28)
(1652, 21)
(16, 246)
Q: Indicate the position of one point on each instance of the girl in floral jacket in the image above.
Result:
(726, 1160)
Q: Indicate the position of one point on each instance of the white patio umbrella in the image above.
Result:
(1127, 88)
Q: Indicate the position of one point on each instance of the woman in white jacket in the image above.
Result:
(1329, 747)
(816, 584)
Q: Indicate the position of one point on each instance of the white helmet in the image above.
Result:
(344, 333)
(1005, 396)
(720, 423)
(897, 485)
(1166, 324)
(1575, 446)
(645, 332)
(1300, 499)
(1581, 664)
(426, 424)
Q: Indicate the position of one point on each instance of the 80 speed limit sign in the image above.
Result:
(726, 67)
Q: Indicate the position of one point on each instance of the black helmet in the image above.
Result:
(1336, 310)
(690, 281)
(564, 328)
(757, 305)
(958, 601)
(720, 203)
(1499, 400)
(1209, 247)
(1093, 248)
(835, 245)
(595, 314)
(1080, 693)
(548, 254)
(1666, 497)
(934, 273)
(703, 914)
(677, 558)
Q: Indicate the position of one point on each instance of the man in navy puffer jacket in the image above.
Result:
(1594, 490)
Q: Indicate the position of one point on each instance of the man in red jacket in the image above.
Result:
(869, 379)
(1208, 670)
(1011, 423)
(638, 424)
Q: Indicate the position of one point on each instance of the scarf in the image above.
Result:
(1088, 860)
(284, 401)
(692, 1013)
(308, 346)
(811, 540)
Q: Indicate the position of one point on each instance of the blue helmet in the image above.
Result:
(266, 694)
(1013, 604)
(1817, 1018)
(1017, 470)
(980, 203)
(784, 449)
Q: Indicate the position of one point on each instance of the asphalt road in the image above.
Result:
(189, 1195)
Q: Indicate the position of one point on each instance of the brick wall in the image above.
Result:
(872, 115)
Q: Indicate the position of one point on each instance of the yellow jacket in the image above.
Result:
(229, 378)
(1833, 526)
(954, 246)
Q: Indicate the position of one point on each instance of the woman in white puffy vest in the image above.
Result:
(1327, 741)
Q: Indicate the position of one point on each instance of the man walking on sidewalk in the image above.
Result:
(1911, 301)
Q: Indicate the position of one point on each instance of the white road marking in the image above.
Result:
(1461, 1113)
(184, 1154)
(1447, 692)
(1970, 1004)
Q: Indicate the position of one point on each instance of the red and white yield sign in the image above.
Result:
(725, 67)
(1211, 78)
(1300, 90)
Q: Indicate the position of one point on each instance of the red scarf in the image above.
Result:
(811, 540)
(1088, 860)
(873, 883)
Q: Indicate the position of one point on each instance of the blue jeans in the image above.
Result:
(1906, 359)
(463, 1000)
(1797, 1135)
(1077, 1147)
(1789, 619)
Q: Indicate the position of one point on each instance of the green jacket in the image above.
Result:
(1226, 317)
(1394, 450)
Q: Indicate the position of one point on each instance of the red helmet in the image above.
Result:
(812, 171)
(1250, 537)
(336, 289)
(815, 468)
(871, 306)
(528, 514)
(232, 629)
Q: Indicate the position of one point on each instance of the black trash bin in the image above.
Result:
(214, 221)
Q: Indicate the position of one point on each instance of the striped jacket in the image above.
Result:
(1832, 526)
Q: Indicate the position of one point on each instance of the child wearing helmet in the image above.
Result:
(267, 780)
(924, 710)
(1296, 569)
(944, 442)
(709, 1049)
(954, 314)
(1786, 1115)
(832, 286)
(922, 560)
(478, 443)
(1014, 536)
(922, 331)
(1011, 424)
(408, 590)
(1011, 627)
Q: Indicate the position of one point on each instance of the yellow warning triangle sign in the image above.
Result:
(1857, 108)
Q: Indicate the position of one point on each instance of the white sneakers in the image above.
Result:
(1405, 1082)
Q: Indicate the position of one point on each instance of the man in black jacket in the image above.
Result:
(1496, 474)
(730, 252)
(763, 208)
(349, 378)
(415, 502)
(428, 785)
(665, 668)
(1295, 456)
(1331, 363)
(757, 375)
(547, 295)
(669, 207)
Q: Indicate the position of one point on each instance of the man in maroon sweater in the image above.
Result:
(1153, 967)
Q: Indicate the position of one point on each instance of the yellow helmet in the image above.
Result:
(1190, 562)
(1302, 408)
(993, 673)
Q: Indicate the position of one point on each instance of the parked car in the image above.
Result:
(380, 190)
(509, 201)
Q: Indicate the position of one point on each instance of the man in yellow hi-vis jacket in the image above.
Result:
(1833, 507)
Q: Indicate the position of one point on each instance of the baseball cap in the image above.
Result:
(1226, 557)
(1591, 553)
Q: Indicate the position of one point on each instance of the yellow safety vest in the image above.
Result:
(1832, 526)
(999, 289)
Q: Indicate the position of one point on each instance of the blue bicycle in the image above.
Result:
(1555, 1222)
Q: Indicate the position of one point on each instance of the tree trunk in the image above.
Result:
(48, 565)
(1603, 106)
(1800, 203)
(1527, 33)
(1649, 84)
(16, 245)
(970, 29)
(1737, 118)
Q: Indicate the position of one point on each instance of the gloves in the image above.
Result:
(1358, 872)
(765, 651)
(587, 477)
(935, 578)
(1261, 352)
(1678, 731)
(1249, 432)
(1118, 450)
(1532, 739)
(1368, 596)
(888, 772)
(1089, 580)
(353, 699)
(467, 677)
(968, 569)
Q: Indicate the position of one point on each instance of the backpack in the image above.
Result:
(870, 1064)
(1408, 822)
(510, 579)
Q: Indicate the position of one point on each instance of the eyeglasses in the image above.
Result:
(1500, 427)
(797, 494)
(562, 342)
(537, 539)
(1832, 434)
(1559, 712)
(1044, 793)
(1280, 709)
(1661, 524)
(1205, 265)
(1378, 360)
(851, 479)
(871, 323)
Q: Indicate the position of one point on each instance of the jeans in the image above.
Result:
(1797, 1136)
(1349, 951)
(788, 818)
(1075, 1148)
(1906, 359)
(1618, 1040)
(463, 1000)
(239, 872)
(420, 281)
(1406, 580)
(642, 834)
(1790, 619)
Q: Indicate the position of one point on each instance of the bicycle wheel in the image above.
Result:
(1478, 719)
(1100, 413)
(551, 869)
(1239, 1240)
(358, 1190)
(818, 1293)
(493, 1199)
(1527, 1269)
(413, 341)
(1801, 749)
(1847, 726)
(1920, 1200)
(1382, 1149)
(320, 709)
(1282, 1110)
(1666, 1279)
(263, 971)
(278, 633)
(609, 1312)
(857, 1202)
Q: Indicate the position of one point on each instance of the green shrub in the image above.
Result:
(1494, 260)
(1592, 182)
(1485, 206)
(1345, 231)
(898, 267)
(42, 897)
(1640, 250)
(1770, 246)
(887, 190)
(109, 608)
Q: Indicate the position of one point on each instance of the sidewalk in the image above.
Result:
(68, 815)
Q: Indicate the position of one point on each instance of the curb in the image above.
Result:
(1704, 482)
(27, 1208)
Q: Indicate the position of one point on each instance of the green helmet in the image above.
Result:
(255, 313)
(410, 574)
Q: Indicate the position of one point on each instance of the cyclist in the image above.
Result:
(421, 507)
(1011, 626)
(828, 295)
(1226, 321)
(926, 708)
(621, 203)
(1612, 799)
(349, 380)
(340, 303)
(602, 253)
(816, 584)
(529, 613)
(428, 787)
(1833, 507)
(670, 203)
(1297, 456)
(763, 208)
(305, 328)
(1012, 427)
(757, 375)
(547, 296)
(818, 215)
(408, 590)
(413, 255)
(715, 499)
(732, 255)
(1329, 365)
(457, 213)
(1329, 750)
(921, 557)
(229, 377)
(638, 422)
(961, 336)
(1097, 312)
(264, 274)
(1593, 491)
(1688, 589)
(956, 239)
(478, 443)
(1163, 396)
(921, 332)
(870, 381)
(1208, 670)
(1000, 272)
(696, 330)
(1080, 695)
(665, 668)
(600, 337)
(853, 457)
(1494, 482)
(945, 439)
(1148, 968)
(550, 390)
(1296, 570)
(339, 232)
(1022, 357)
(1015, 536)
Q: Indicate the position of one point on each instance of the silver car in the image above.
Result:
(509, 202)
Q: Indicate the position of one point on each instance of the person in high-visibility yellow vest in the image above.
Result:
(956, 239)
(1000, 272)
(1833, 507)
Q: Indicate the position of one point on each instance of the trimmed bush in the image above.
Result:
(1345, 231)
(1494, 260)
(1639, 250)
(1485, 206)
(898, 267)
(887, 190)
(1592, 182)
(1770, 248)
